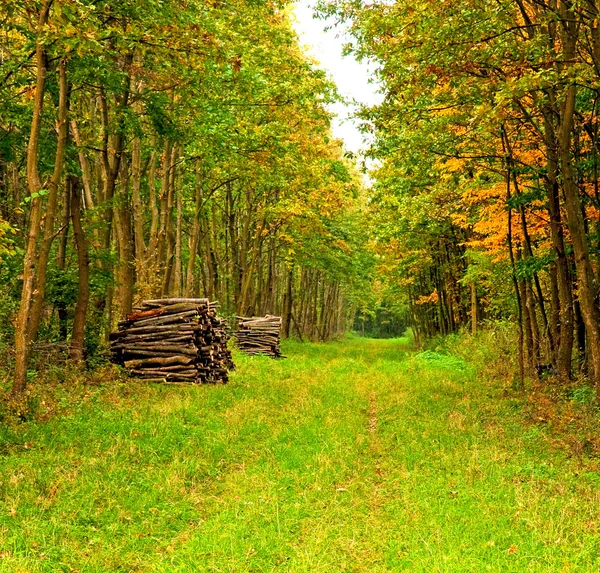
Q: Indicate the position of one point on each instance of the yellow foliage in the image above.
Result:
(431, 298)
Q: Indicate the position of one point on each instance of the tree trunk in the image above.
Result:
(126, 266)
(61, 256)
(34, 185)
(565, 293)
(194, 242)
(287, 304)
(83, 281)
(473, 308)
(586, 291)
(178, 272)
(38, 299)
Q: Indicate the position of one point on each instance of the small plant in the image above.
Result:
(442, 360)
(584, 395)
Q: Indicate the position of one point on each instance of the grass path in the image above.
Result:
(356, 456)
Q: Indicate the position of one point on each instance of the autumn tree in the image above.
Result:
(488, 143)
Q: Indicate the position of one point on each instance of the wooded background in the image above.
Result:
(155, 149)
(171, 148)
(487, 197)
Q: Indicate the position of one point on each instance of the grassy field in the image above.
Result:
(355, 456)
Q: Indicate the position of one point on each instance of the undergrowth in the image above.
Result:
(566, 414)
(491, 352)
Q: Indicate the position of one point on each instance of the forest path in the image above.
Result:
(356, 456)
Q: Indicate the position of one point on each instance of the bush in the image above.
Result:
(492, 351)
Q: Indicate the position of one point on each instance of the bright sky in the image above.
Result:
(350, 76)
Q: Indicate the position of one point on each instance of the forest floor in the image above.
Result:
(357, 456)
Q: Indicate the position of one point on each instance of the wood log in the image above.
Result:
(144, 314)
(180, 359)
(190, 374)
(175, 328)
(173, 349)
(160, 302)
(148, 353)
(184, 340)
(167, 318)
(179, 367)
(260, 336)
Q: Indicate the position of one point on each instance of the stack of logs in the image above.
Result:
(259, 335)
(174, 340)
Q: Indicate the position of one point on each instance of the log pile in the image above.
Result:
(174, 340)
(259, 335)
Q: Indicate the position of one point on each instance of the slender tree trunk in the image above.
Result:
(123, 226)
(61, 256)
(565, 293)
(575, 223)
(178, 272)
(473, 308)
(85, 166)
(150, 263)
(113, 145)
(83, 281)
(535, 330)
(515, 278)
(38, 299)
(582, 355)
(170, 232)
(194, 241)
(34, 184)
(586, 287)
(527, 245)
(288, 304)
(236, 270)
(136, 200)
(163, 198)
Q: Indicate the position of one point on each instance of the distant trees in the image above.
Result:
(487, 196)
(167, 148)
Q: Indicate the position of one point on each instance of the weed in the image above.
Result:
(439, 360)
(582, 394)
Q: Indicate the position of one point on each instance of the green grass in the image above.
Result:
(355, 456)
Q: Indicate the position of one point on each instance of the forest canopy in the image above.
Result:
(169, 148)
(486, 199)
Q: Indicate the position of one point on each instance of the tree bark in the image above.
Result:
(287, 305)
(38, 300)
(61, 256)
(565, 293)
(34, 186)
(126, 266)
(83, 281)
(586, 291)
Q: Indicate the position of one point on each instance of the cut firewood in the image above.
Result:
(163, 302)
(144, 314)
(146, 373)
(168, 318)
(155, 361)
(172, 339)
(259, 335)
